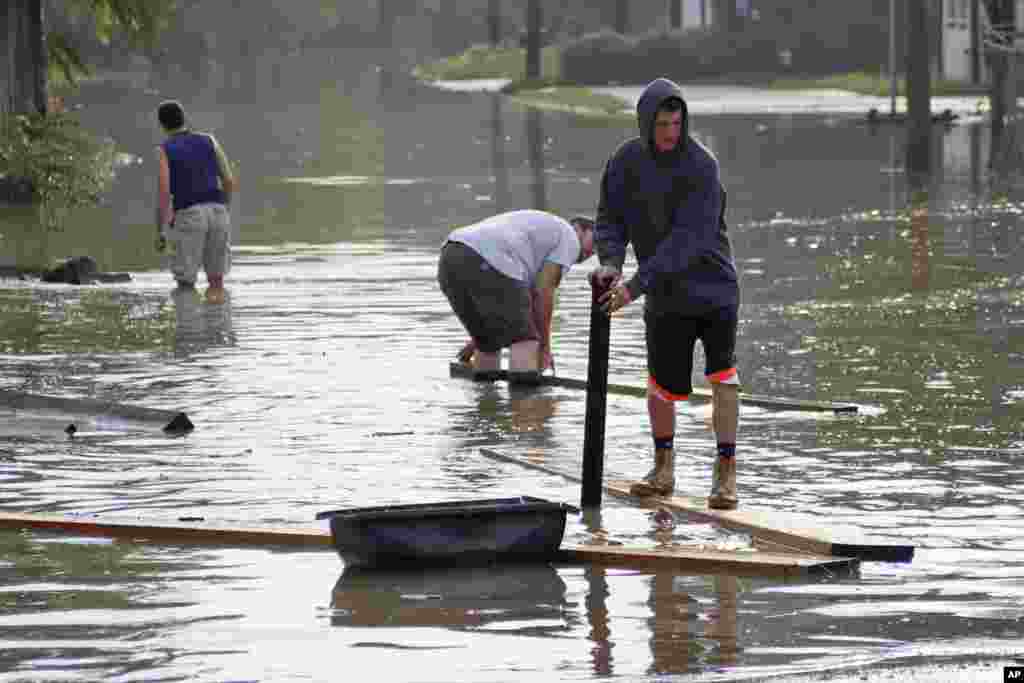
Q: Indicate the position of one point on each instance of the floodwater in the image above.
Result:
(323, 383)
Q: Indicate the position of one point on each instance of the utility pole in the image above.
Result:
(892, 57)
(919, 114)
(533, 23)
(622, 16)
(1002, 94)
(975, 42)
(494, 22)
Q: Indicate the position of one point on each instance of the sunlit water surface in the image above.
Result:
(322, 382)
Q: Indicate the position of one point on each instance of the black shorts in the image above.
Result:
(494, 308)
(671, 340)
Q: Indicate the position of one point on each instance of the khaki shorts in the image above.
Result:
(494, 308)
(201, 236)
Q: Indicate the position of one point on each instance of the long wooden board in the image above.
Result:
(170, 420)
(771, 529)
(462, 370)
(190, 530)
(699, 559)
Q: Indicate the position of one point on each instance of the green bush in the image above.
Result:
(61, 165)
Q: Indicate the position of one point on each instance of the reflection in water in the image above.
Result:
(458, 598)
(200, 324)
(671, 640)
(920, 248)
(597, 617)
(721, 625)
(535, 149)
(498, 161)
(674, 615)
(497, 412)
(531, 412)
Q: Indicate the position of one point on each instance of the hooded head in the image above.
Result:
(657, 93)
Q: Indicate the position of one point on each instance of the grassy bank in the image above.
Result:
(552, 92)
(869, 84)
(481, 61)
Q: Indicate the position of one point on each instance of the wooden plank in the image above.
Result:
(462, 370)
(776, 529)
(189, 530)
(184, 530)
(170, 420)
(699, 559)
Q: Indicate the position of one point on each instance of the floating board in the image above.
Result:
(462, 370)
(701, 559)
(170, 421)
(779, 531)
(196, 530)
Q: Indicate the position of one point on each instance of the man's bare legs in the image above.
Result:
(486, 360)
(524, 356)
(661, 480)
(662, 414)
(725, 411)
(215, 292)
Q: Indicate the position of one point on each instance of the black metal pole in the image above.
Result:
(597, 399)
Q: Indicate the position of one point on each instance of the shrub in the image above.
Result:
(54, 161)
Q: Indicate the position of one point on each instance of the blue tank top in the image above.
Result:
(195, 176)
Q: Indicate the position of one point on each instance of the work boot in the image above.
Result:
(661, 480)
(723, 484)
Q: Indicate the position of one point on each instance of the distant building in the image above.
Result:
(964, 24)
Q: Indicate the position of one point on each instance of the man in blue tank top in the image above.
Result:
(196, 183)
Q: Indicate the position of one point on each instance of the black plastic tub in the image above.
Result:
(463, 533)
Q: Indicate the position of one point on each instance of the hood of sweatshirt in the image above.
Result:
(656, 92)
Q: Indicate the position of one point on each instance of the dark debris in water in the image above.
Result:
(398, 646)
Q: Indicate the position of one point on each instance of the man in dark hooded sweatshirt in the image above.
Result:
(661, 193)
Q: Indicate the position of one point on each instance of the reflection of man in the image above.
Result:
(674, 616)
(500, 277)
(199, 325)
(721, 624)
(672, 612)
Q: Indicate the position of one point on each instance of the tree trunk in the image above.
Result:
(23, 48)
(723, 15)
(1001, 95)
(533, 24)
(675, 14)
(493, 22)
(622, 16)
(919, 114)
(535, 151)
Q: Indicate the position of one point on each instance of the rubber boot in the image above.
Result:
(661, 480)
(723, 485)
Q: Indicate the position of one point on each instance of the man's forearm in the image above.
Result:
(537, 314)
(547, 307)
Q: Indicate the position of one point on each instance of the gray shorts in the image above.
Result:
(494, 308)
(201, 236)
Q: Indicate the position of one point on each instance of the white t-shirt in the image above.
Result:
(519, 243)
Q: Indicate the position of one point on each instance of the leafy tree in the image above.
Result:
(24, 84)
